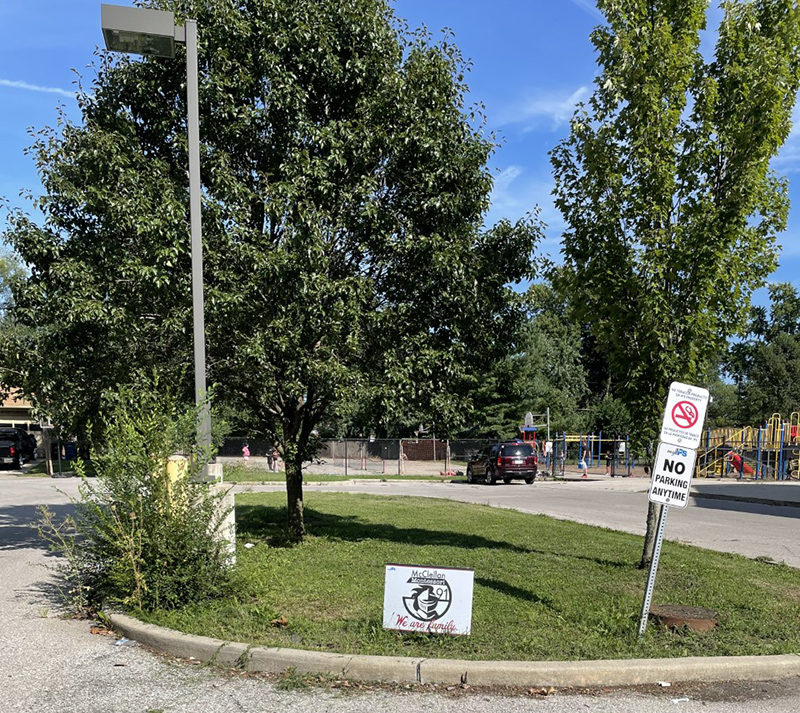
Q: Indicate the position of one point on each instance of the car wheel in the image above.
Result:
(529, 480)
(470, 476)
(489, 477)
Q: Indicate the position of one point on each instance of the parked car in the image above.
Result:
(16, 446)
(503, 461)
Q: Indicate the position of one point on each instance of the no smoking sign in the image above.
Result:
(684, 415)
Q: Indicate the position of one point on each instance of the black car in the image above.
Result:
(503, 461)
(16, 446)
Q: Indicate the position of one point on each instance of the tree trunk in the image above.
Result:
(294, 497)
(650, 536)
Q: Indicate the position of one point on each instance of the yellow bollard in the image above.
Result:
(177, 467)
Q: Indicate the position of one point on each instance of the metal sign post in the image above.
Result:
(651, 578)
(671, 478)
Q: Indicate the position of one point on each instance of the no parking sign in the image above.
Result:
(672, 475)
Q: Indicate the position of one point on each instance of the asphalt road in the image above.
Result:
(52, 664)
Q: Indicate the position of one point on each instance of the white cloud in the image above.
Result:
(551, 106)
(513, 197)
(505, 178)
(590, 7)
(36, 88)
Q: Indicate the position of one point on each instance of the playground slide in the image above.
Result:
(736, 463)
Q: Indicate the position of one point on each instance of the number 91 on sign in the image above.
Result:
(672, 475)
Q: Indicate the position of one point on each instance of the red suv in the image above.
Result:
(503, 461)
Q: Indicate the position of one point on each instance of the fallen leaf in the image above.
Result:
(544, 691)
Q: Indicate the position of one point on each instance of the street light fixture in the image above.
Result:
(153, 32)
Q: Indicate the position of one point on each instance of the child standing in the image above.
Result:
(245, 453)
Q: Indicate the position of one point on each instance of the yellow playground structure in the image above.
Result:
(771, 452)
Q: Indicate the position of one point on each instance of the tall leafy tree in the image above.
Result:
(543, 370)
(11, 272)
(664, 182)
(766, 364)
(344, 187)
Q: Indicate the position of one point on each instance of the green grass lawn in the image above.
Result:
(544, 589)
(242, 474)
(37, 470)
(40, 467)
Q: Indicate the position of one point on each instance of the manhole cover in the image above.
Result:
(674, 616)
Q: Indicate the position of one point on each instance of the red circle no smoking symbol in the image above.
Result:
(684, 414)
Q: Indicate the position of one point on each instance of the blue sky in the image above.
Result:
(531, 62)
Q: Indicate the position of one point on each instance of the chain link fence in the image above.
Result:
(366, 456)
(770, 453)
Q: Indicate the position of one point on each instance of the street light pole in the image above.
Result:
(153, 32)
(198, 303)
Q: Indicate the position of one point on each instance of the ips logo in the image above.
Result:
(678, 452)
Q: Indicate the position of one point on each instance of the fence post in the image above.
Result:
(599, 448)
(759, 468)
(780, 474)
(345, 456)
(628, 456)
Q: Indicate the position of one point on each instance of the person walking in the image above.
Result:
(583, 464)
(245, 453)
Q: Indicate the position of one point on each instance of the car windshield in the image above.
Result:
(520, 450)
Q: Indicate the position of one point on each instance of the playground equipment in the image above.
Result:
(769, 452)
(599, 448)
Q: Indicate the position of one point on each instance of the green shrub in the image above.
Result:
(138, 539)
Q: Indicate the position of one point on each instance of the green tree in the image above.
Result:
(610, 416)
(766, 365)
(344, 187)
(552, 374)
(543, 370)
(665, 186)
(10, 272)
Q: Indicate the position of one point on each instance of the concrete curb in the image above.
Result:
(477, 673)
